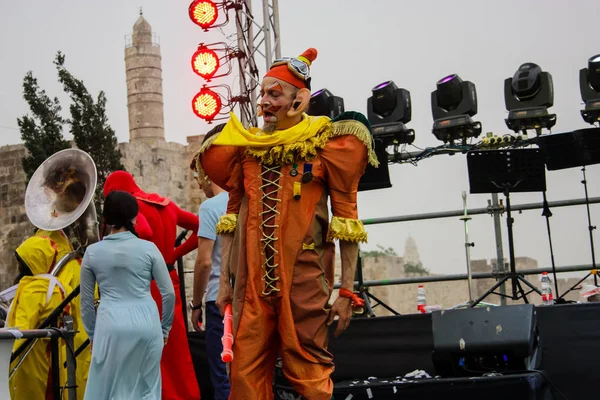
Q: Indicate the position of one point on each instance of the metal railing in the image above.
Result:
(478, 211)
(491, 209)
(55, 334)
(50, 320)
(460, 277)
(154, 41)
(500, 271)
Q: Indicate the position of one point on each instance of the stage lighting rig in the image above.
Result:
(323, 102)
(206, 60)
(388, 110)
(205, 13)
(589, 85)
(528, 94)
(207, 103)
(453, 104)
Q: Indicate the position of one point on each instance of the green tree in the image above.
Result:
(41, 131)
(415, 268)
(89, 126)
(382, 251)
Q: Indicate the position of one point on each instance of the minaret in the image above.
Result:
(144, 84)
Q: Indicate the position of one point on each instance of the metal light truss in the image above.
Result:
(265, 45)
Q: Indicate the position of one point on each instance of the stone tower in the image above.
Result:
(144, 84)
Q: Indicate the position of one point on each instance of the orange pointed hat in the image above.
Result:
(284, 73)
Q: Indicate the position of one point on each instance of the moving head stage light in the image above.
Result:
(589, 85)
(388, 109)
(453, 104)
(527, 96)
(323, 102)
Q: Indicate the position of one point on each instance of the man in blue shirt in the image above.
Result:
(207, 271)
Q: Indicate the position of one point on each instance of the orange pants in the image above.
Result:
(292, 325)
(176, 368)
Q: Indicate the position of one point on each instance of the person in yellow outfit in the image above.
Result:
(70, 273)
(38, 294)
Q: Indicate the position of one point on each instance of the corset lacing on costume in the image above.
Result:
(270, 177)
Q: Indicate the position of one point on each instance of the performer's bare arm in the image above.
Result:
(225, 294)
(349, 256)
(342, 307)
(202, 269)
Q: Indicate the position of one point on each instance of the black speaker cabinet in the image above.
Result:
(476, 341)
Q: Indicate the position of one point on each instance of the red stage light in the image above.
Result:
(205, 62)
(203, 13)
(206, 104)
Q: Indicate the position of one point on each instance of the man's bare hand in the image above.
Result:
(224, 297)
(197, 320)
(342, 308)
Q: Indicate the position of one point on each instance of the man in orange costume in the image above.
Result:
(157, 221)
(278, 251)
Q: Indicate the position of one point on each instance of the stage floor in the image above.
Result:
(394, 346)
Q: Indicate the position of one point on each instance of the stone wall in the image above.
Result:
(157, 166)
(163, 168)
(194, 198)
(14, 222)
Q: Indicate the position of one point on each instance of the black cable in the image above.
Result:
(552, 386)
(416, 147)
(62, 334)
(547, 214)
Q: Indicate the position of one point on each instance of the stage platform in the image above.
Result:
(389, 347)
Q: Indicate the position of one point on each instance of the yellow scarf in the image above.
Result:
(234, 133)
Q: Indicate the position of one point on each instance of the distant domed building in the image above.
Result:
(411, 252)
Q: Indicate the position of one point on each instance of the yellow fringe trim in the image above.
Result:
(349, 230)
(308, 246)
(307, 150)
(289, 153)
(195, 163)
(227, 223)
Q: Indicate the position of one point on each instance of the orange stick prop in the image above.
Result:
(227, 339)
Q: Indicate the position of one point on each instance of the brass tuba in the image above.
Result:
(61, 192)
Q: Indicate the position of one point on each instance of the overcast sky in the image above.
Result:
(361, 44)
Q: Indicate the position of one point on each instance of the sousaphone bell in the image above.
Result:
(60, 193)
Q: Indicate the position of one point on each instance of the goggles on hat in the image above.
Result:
(298, 67)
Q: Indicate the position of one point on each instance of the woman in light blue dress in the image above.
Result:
(126, 331)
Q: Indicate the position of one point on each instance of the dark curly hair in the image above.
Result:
(120, 208)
